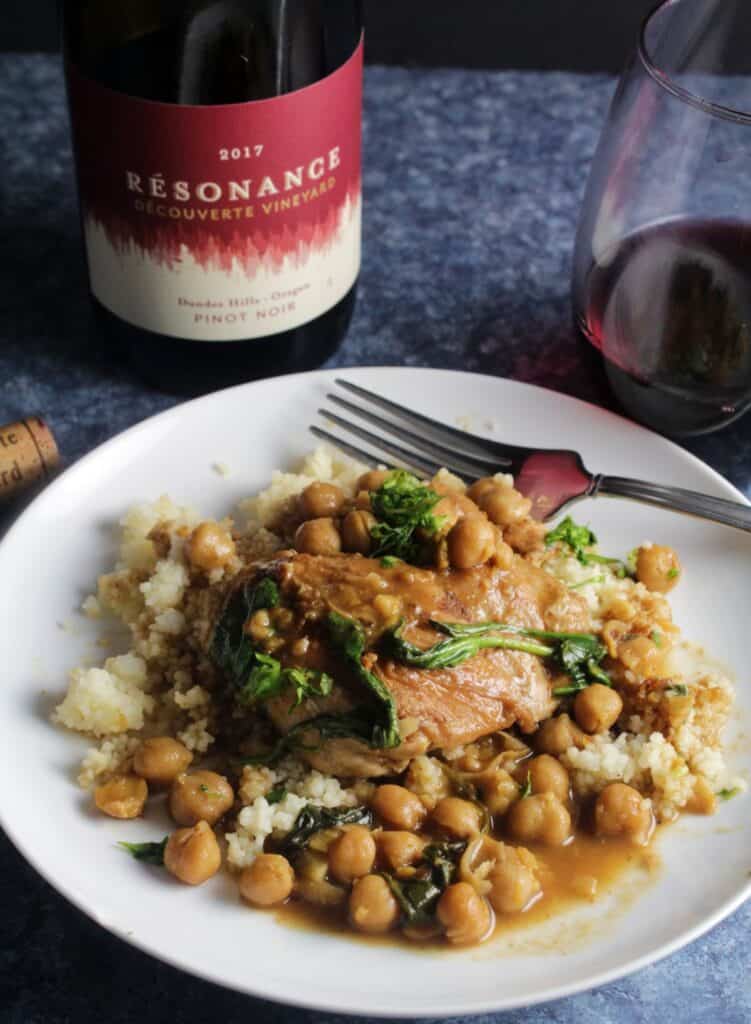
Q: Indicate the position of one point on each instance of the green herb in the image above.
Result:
(728, 794)
(656, 637)
(678, 690)
(307, 683)
(620, 568)
(268, 679)
(576, 537)
(580, 657)
(579, 538)
(149, 853)
(578, 654)
(389, 561)
(276, 795)
(673, 573)
(263, 680)
(348, 638)
(402, 505)
(526, 789)
(313, 819)
(584, 583)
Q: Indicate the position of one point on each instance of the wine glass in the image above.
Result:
(662, 275)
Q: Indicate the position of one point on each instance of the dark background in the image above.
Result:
(576, 35)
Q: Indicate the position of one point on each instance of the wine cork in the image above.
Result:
(28, 455)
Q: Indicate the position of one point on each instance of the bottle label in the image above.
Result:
(220, 223)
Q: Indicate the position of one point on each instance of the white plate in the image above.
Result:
(50, 557)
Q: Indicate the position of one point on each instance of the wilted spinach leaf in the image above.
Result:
(313, 819)
(232, 649)
(443, 858)
(254, 675)
(348, 638)
(149, 853)
(417, 897)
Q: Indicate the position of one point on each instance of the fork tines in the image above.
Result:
(425, 451)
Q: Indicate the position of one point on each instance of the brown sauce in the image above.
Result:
(582, 873)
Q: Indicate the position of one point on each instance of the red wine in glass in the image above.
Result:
(669, 308)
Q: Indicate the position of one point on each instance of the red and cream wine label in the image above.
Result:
(220, 223)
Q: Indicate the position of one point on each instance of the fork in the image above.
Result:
(552, 478)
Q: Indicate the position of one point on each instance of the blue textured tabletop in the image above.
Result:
(473, 182)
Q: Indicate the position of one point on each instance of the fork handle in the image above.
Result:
(731, 513)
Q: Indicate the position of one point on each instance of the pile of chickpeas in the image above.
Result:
(493, 877)
(528, 802)
(197, 801)
(477, 526)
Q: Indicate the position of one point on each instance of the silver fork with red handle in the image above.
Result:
(551, 477)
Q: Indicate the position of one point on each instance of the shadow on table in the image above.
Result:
(43, 296)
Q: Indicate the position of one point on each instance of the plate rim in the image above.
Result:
(256, 988)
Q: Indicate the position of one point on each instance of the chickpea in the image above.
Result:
(525, 536)
(504, 506)
(445, 483)
(458, 817)
(465, 916)
(318, 537)
(541, 818)
(352, 855)
(513, 883)
(621, 810)
(399, 849)
(453, 507)
(268, 881)
(372, 907)
(658, 568)
(597, 708)
(161, 759)
(398, 808)
(470, 542)
(193, 854)
(355, 530)
(373, 479)
(503, 558)
(499, 791)
(200, 796)
(319, 500)
(448, 512)
(557, 734)
(387, 606)
(259, 627)
(481, 487)
(547, 775)
(122, 797)
(209, 547)
(641, 654)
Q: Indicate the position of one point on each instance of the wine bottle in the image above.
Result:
(217, 147)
